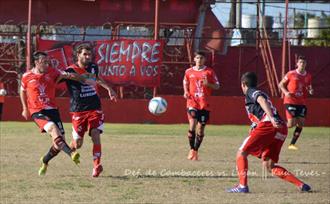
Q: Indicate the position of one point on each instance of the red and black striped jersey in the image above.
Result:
(83, 97)
(255, 112)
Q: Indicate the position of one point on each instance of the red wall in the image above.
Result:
(226, 110)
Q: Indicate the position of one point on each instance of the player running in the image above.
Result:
(265, 139)
(85, 104)
(38, 100)
(295, 86)
(198, 83)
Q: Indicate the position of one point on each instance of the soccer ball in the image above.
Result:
(3, 92)
(157, 105)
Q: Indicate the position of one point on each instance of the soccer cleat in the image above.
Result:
(305, 188)
(238, 189)
(195, 156)
(191, 154)
(75, 157)
(43, 168)
(293, 147)
(97, 170)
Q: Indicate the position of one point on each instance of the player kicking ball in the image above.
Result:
(38, 100)
(265, 139)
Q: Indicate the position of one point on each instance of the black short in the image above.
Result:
(296, 110)
(48, 115)
(202, 116)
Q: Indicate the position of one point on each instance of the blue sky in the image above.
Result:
(222, 10)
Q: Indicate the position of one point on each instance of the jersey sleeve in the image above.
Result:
(287, 76)
(186, 78)
(55, 73)
(254, 94)
(23, 82)
(213, 78)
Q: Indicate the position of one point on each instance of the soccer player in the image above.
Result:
(265, 139)
(38, 100)
(198, 83)
(85, 104)
(295, 86)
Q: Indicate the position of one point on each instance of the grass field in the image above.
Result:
(147, 164)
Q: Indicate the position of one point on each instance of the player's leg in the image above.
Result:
(53, 152)
(291, 116)
(270, 157)
(250, 144)
(192, 118)
(199, 135)
(284, 174)
(290, 113)
(58, 135)
(60, 144)
(242, 170)
(299, 124)
(291, 122)
(79, 127)
(95, 124)
(259, 138)
(199, 139)
(49, 121)
(42, 120)
(203, 117)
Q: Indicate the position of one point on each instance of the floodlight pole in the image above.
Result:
(156, 31)
(28, 39)
(284, 37)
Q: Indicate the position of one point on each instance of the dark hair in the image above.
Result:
(301, 57)
(249, 79)
(37, 54)
(78, 49)
(200, 53)
(82, 46)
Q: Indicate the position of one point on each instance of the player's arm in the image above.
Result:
(283, 86)
(266, 107)
(111, 92)
(310, 89)
(213, 83)
(186, 93)
(214, 86)
(23, 97)
(309, 86)
(70, 76)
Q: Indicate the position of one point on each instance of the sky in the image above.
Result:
(222, 10)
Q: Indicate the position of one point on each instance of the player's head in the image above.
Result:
(83, 54)
(301, 63)
(199, 58)
(40, 61)
(248, 80)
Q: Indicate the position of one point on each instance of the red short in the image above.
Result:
(86, 120)
(295, 111)
(45, 118)
(265, 141)
(202, 116)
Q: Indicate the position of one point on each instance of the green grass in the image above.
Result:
(166, 130)
(147, 164)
